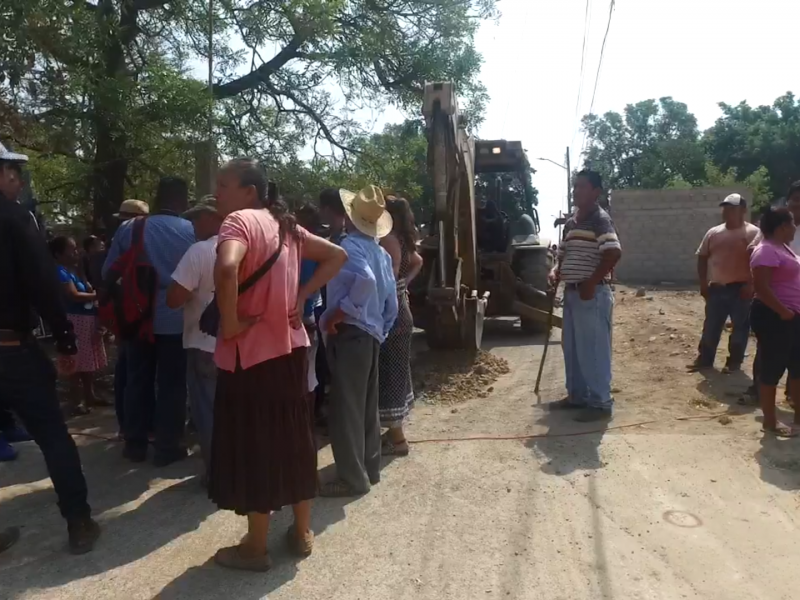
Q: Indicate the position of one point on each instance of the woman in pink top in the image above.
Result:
(263, 455)
(775, 315)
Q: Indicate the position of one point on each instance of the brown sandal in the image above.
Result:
(781, 430)
(232, 558)
(390, 448)
(301, 546)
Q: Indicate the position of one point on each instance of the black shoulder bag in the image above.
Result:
(209, 320)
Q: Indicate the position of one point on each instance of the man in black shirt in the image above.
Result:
(27, 375)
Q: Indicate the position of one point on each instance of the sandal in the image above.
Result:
(781, 430)
(232, 558)
(300, 546)
(338, 489)
(390, 448)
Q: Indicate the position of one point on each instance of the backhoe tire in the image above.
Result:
(534, 266)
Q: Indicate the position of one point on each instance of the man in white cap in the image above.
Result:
(723, 267)
(361, 309)
(27, 377)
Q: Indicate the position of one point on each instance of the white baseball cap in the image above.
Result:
(733, 200)
(5, 154)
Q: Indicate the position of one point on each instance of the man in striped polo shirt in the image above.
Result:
(586, 256)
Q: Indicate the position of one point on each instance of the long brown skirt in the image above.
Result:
(263, 455)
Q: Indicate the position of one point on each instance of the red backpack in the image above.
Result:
(127, 305)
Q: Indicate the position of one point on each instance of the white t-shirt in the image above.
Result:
(195, 272)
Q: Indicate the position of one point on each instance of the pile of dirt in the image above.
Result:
(455, 376)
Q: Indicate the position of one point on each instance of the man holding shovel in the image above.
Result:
(588, 253)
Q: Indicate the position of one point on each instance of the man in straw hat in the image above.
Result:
(27, 379)
(361, 309)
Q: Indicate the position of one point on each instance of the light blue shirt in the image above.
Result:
(365, 288)
(166, 240)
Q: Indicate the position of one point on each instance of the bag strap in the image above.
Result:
(263, 269)
(137, 235)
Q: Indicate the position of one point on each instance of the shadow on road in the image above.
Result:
(727, 389)
(779, 461)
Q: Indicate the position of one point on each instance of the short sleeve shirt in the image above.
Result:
(73, 307)
(586, 237)
(195, 272)
(726, 250)
(271, 298)
(785, 265)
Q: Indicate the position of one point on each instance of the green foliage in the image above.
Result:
(649, 145)
(767, 137)
(106, 95)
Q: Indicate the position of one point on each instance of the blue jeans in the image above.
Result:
(201, 379)
(586, 343)
(28, 387)
(160, 364)
(725, 301)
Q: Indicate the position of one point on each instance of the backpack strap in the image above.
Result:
(137, 235)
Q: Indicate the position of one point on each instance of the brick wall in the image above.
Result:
(660, 231)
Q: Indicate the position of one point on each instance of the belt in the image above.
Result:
(575, 286)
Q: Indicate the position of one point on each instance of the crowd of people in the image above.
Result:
(263, 323)
(751, 275)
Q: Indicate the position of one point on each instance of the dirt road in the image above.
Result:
(670, 509)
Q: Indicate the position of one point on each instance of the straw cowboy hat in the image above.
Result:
(132, 208)
(367, 210)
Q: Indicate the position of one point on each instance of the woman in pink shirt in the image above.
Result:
(775, 315)
(263, 455)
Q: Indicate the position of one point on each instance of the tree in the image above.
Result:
(649, 145)
(105, 87)
(749, 139)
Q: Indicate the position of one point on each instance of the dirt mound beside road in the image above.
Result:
(450, 377)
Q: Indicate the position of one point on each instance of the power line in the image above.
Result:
(583, 57)
(602, 51)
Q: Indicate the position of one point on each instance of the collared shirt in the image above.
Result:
(307, 269)
(585, 239)
(365, 288)
(29, 276)
(166, 240)
(195, 272)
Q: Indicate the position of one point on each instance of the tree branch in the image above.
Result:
(148, 4)
(262, 73)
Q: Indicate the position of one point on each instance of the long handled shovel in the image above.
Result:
(551, 296)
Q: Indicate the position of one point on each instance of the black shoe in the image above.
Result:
(563, 404)
(375, 479)
(8, 537)
(135, 453)
(83, 534)
(731, 368)
(167, 458)
(699, 365)
(590, 415)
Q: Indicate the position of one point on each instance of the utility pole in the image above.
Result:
(205, 155)
(569, 184)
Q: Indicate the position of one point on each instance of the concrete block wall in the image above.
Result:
(660, 231)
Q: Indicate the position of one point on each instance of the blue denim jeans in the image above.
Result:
(725, 301)
(201, 380)
(160, 364)
(586, 342)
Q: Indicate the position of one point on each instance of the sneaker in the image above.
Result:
(134, 453)
(83, 534)
(17, 434)
(563, 404)
(167, 458)
(7, 451)
(591, 415)
(300, 545)
(8, 537)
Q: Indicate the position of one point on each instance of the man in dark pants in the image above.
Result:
(362, 307)
(27, 375)
(723, 267)
(162, 361)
